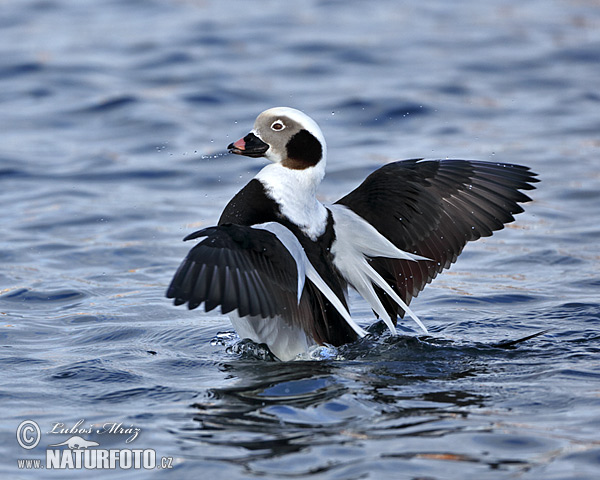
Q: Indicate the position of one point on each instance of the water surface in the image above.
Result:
(115, 117)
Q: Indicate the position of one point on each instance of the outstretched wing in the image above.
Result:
(237, 267)
(261, 271)
(433, 208)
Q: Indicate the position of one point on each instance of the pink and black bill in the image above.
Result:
(249, 146)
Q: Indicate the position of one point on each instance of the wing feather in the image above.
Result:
(261, 271)
(236, 267)
(433, 208)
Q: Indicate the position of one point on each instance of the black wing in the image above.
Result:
(237, 267)
(433, 208)
(249, 270)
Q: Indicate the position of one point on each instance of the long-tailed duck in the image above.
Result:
(279, 261)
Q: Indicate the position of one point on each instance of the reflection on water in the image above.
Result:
(276, 408)
(440, 398)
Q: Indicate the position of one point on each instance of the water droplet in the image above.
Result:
(223, 338)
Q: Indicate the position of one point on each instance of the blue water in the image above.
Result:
(114, 118)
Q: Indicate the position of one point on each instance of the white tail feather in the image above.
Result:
(314, 277)
(291, 243)
(356, 239)
(390, 291)
(306, 269)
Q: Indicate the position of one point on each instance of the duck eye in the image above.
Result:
(277, 125)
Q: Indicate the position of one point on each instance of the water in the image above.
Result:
(114, 120)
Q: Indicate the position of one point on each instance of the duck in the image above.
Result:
(280, 263)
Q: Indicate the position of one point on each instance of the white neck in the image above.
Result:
(296, 193)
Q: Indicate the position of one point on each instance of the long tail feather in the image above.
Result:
(307, 270)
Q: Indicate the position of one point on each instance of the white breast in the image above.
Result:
(295, 192)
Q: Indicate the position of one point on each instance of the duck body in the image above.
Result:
(280, 263)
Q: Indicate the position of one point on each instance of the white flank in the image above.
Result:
(356, 239)
(286, 341)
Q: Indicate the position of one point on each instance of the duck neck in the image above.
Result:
(295, 191)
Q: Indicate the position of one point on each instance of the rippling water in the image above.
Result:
(114, 120)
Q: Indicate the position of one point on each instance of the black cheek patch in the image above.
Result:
(303, 151)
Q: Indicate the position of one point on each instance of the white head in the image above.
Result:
(286, 136)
